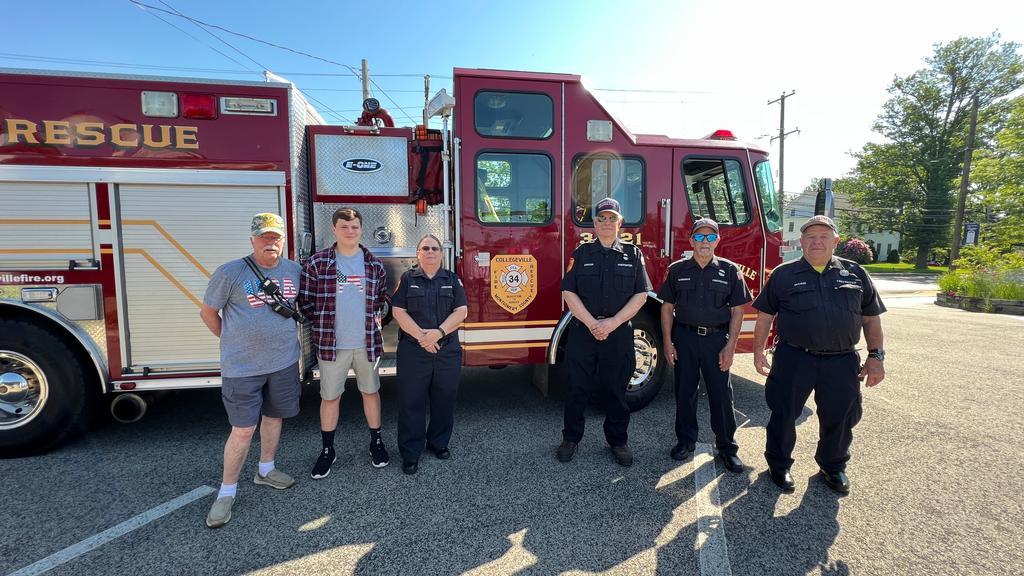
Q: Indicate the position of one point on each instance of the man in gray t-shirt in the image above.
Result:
(259, 351)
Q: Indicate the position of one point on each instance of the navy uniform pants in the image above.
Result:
(699, 355)
(833, 379)
(425, 381)
(603, 369)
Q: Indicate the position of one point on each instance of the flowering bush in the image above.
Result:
(855, 249)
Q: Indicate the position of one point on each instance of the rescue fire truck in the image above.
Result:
(119, 195)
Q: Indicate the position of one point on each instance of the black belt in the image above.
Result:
(821, 352)
(705, 330)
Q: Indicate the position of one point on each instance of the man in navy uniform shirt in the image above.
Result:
(701, 316)
(605, 286)
(821, 302)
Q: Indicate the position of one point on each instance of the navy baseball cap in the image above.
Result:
(704, 223)
(608, 205)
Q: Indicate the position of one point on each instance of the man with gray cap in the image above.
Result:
(822, 303)
(605, 286)
(250, 305)
(701, 315)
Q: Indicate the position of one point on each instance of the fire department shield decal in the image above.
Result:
(513, 281)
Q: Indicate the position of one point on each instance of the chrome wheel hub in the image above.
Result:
(23, 390)
(646, 359)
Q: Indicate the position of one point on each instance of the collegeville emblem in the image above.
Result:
(513, 281)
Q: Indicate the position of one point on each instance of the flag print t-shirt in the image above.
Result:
(350, 302)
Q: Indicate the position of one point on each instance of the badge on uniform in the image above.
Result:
(721, 272)
(844, 272)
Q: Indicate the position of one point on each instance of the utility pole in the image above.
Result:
(965, 181)
(782, 138)
(366, 79)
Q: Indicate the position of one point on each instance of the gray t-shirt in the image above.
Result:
(350, 302)
(254, 339)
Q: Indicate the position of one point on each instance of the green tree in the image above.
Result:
(910, 181)
(997, 179)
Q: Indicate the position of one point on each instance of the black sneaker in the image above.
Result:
(623, 455)
(378, 453)
(566, 450)
(322, 468)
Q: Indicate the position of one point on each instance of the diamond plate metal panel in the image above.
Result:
(95, 329)
(332, 150)
(397, 223)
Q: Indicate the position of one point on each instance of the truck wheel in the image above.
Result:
(42, 389)
(649, 374)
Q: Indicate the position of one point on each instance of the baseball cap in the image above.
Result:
(819, 220)
(267, 222)
(704, 223)
(608, 205)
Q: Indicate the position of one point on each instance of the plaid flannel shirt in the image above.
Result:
(318, 286)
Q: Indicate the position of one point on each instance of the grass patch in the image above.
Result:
(902, 268)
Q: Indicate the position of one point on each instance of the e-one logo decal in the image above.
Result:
(361, 165)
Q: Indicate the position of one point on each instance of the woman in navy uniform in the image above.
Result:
(429, 305)
(605, 286)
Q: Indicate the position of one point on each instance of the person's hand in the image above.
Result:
(430, 336)
(725, 357)
(670, 352)
(603, 328)
(761, 363)
(432, 348)
(874, 370)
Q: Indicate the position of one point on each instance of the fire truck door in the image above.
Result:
(173, 238)
(510, 170)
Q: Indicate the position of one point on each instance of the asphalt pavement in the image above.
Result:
(938, 484)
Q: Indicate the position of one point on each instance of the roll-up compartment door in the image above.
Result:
(174, 237)
(45, 225)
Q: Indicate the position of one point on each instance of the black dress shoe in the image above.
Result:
(410, 467)
(566, 450)
(440, 453)
(837, 481)
(623, 455)
(732, 462)
(682, 451)
(783, 479)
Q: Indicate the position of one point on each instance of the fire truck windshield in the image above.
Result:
(769, 198)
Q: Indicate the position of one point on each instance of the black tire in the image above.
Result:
(649, 375)
(53, 402)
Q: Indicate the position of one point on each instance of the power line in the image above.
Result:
(172, 25)
(218, 38)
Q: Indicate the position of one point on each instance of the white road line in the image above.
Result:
(94, 542)
(714, 552)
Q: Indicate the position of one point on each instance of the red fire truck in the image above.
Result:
(120, 195)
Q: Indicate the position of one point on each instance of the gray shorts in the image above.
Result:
(275, 395)
(334, 373)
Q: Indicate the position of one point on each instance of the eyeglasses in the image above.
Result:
(430, 248)
(604, 219)
(703, 237)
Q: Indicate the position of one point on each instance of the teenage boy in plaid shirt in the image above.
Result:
(339, 285)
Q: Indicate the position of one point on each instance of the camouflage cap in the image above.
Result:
(267, 222)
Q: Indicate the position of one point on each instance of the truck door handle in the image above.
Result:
(666, 217)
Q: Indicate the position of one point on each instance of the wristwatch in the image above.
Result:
(877, 354)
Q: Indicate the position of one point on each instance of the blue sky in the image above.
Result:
(682, 68)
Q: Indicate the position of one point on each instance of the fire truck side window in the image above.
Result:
(716, 190)
(513, 115)
(769, 199)
(513, 188)
(601, 176)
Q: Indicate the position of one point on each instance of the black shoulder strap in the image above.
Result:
(255, 270)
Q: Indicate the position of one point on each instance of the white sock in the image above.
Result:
(227, 490)
(266, 467)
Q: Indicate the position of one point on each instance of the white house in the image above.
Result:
(796, 211)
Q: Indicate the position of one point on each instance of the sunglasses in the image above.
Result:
(430, 248)
(703, 237)
(604, 219)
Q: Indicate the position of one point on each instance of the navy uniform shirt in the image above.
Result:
(429, 300)
(704, 296)
(820, 312)
(606, 278)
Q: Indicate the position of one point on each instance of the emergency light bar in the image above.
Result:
(721, 135)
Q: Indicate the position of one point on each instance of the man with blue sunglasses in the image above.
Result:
(701, 315)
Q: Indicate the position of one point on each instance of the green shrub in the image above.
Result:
(984, 283)
(893, 257)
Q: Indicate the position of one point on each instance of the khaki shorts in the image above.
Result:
(334, 373)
